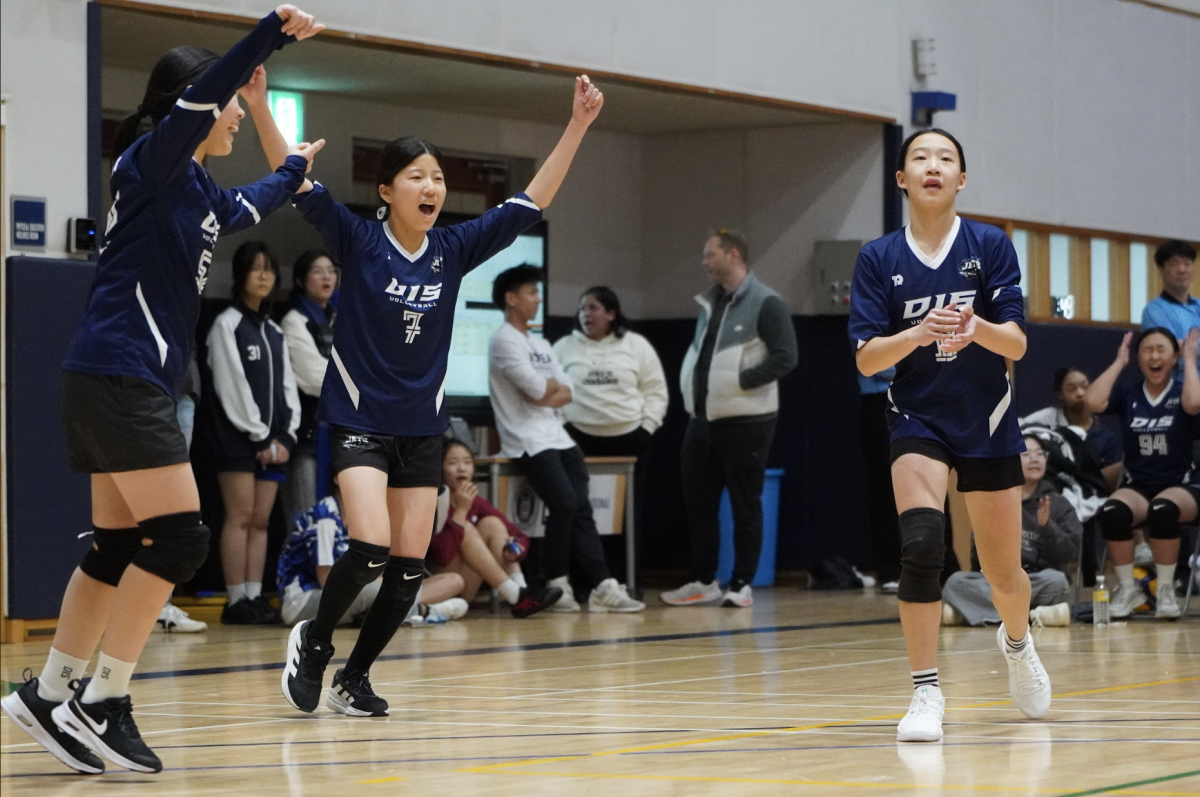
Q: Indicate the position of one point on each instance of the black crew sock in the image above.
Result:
(361, 564)
(401, 583)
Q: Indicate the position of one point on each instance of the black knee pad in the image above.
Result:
(363, 562)
(173, 546)
(111, 552)
(1163, 519)
(401, 582)
(1116, 521)
(922, 555)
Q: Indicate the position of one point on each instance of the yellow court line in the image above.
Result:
(797, 729)
(382, 780)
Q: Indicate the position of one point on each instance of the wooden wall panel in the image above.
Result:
(1118, 281)
(1039, 276)
(1081, 276)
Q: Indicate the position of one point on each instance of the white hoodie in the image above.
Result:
(617, 384)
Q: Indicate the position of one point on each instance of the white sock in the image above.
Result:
(509, 591)
(55, 681)
(519, 577)
(1125, 576)
(253, 589)
(110, 680)
(1166, 576)
(236, 592)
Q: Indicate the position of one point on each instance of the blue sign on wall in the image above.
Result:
(28, 222)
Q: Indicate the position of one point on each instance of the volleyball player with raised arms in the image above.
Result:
(384, 389)
(941, 301)
(120, 385)
(1161, 483)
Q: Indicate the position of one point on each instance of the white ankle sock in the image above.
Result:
(253, 589)
(519, 577)
(55, 681)
(1166, 576)
(236, 592)
(110, 680)
(1125, 576)
(509, 591)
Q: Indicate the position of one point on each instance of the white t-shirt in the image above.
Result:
(519, 365)
(617, 384)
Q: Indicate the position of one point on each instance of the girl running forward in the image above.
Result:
(384, 388)
(920, 298)
(122, 374)
(1161, 485)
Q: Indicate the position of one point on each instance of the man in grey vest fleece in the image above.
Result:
(744, 344)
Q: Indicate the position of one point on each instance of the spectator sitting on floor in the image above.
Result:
(317, 539)
(476, 543)
(1050, 539)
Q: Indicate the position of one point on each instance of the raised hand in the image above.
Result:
(307, 151)
(1043, 515)
(1190, 346)
(463, 496)
(1123, 349)
(588, 101)
(255, 91)
(297, 23)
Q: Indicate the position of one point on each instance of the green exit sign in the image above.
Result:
(288, 109)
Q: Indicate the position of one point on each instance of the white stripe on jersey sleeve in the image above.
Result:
(158, 338)
(441, 394)
(525, 202)
(199, 106)
(253, 210)
(1001, 408)
(351, 388)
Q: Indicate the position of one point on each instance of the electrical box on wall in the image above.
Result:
(833, 268)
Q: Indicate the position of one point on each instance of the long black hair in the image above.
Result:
(300, 270)
(395, 157)
(609, 301)
(175, 71)
(243, 264)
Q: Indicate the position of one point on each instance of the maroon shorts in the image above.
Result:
(444, 545)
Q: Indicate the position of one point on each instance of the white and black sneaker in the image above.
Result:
(108, 728)
(353, 696)
(304, 670)
(29, 712)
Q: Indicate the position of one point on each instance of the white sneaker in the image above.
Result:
(567, 602)
(923, 722)
(1168, 602)
(738, 599)
(1028, 683)
(693, 593)
(889, 587)
(609, 596)
(952, 616)
(1056, 615)
(445, 611)
(174, 620)
(1124, 601)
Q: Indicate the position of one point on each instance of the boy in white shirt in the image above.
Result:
(527, 387)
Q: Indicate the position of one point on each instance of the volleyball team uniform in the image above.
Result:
(952, 407)
(131, 353)
(385, 385)
(1158, 438)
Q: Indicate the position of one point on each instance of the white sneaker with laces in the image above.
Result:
(609, 596)
(951, 616)
(1056, 615)
(1028, 683)
(923, 722)
(1168, 602)
(567, 602)
(1124, 601)
(693, 593)
(446, 611)
(738, 598)
(174, 620)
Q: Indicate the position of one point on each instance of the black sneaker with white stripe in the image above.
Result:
(353, 696)
(108, 728)
(304, 670)
(31, 713)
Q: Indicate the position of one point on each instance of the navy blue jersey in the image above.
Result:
(1157, 435)
(963, 399)
(166, 214)
(387, 369)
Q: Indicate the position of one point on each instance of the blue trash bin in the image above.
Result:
(765, 575)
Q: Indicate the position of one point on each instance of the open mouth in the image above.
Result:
(933, 183)
(427, 209)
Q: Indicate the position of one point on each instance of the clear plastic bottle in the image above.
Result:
(1100, 603)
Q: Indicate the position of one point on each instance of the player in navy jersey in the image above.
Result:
(1161, 485)
(123, 371)
(920, 298)
(384, 389)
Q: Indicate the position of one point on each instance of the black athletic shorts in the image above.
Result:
(1149, 491)
(408, 461)
(119, 423)
(975, 474)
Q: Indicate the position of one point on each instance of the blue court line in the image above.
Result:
(891, 745)
(581, 643)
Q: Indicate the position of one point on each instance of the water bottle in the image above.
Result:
(1099, 603)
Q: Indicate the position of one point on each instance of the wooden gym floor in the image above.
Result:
(799, 695)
